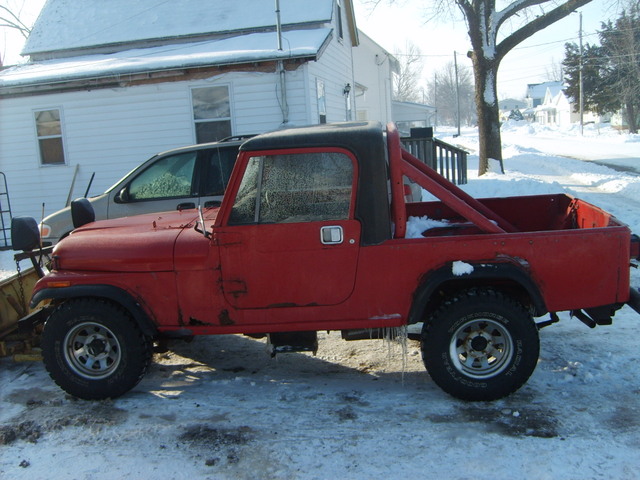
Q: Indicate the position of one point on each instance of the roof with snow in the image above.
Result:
(539, 90)
(67, 25)
(256, 47)
(108, 39)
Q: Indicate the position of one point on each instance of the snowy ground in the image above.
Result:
(220, 408)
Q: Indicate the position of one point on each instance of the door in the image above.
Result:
(291, 239)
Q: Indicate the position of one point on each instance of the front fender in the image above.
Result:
(482, 274)
(115, 294)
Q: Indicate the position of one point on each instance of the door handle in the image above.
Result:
(331, 235)
(212, 203)
(185, 206)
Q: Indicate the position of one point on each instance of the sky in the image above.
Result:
(393, 23)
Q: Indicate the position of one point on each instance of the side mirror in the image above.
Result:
(122, 196)
(82, 212)
(24, 233)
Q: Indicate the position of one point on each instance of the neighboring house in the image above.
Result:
(408, 115)
(509, 105)
(555, 110)
(374, 68)
(560, 110)
(537, 92)
(112, 83)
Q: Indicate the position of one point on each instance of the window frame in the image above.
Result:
(321, 100)
(195, 121)
(339, 25)
(39, 137)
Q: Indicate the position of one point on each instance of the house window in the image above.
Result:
(49, 132)
(211, 113)
(322, 101)
(339, 20)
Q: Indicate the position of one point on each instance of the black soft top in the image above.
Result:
(366, 141)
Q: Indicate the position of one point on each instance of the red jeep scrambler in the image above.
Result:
(310, 236)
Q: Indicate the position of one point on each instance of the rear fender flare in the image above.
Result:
(483, 274)
(109, 292)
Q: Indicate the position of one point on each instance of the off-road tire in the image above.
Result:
(480, 345)
(93, 349)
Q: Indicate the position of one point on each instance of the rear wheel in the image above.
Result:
(93, 349)
(480, 345)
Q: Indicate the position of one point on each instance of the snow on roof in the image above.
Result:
(234, 50)
(65, 24)
(539, 90)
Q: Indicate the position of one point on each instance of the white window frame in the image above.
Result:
(321, 100)
(215, 119)
(39, 137)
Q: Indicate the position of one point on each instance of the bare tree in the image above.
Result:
(406, 84)
(442, 93)
(10, 19)
(554, 72)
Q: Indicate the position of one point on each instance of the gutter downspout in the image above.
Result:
(284, 107)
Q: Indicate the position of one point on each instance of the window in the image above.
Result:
(49, 132)
(303, 187)
(211, 113)
(216, 177)
(339, 19)
(169, 177)
(322, 102)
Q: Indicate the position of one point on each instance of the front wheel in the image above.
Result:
(93, 349)
(480, 345)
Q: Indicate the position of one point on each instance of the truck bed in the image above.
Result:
(536, 213)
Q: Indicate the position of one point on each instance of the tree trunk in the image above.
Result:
(486, 73)
(631, 117)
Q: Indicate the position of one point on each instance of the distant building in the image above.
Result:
(509, 105)
(536, 92)
(408, 115)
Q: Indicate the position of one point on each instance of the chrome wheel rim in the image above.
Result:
(92, 350)
(481, 348)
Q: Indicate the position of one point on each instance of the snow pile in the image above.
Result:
(416, 226)
(459, 268)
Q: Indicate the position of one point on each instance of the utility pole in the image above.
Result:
(435, 98)
(581, 92)
(455, 63)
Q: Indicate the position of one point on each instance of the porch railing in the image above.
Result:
(449, 161)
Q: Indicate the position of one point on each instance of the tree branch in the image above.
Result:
(538, 24)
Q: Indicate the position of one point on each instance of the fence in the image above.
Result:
(449, 161)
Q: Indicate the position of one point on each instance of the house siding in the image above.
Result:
(335, 69)
(110, 131)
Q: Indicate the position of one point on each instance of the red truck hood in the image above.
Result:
(141, 243)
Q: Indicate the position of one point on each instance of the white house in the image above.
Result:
(112, 83)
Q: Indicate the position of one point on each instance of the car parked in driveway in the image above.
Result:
(177, 179)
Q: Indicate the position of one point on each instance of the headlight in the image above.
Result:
(45, 230)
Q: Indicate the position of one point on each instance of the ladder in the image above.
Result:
(5, 214)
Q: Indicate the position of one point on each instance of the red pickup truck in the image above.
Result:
(311, 236)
